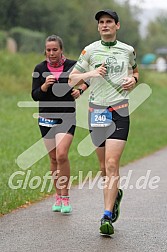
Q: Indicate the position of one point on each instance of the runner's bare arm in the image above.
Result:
(76, 76)
(130, 82)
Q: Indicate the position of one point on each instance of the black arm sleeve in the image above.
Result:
(37, 81)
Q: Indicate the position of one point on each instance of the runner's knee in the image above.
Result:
(61, 157)
(112, 167)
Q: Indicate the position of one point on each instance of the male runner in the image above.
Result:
(111, 67)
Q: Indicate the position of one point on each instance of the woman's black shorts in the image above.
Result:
(66, 124)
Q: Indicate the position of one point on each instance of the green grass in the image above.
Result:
(148, 122)
(19, 131)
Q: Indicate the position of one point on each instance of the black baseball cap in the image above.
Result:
(109, 12)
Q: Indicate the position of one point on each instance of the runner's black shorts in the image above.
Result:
(118, 129)
(66, 124)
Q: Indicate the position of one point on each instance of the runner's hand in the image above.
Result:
(100, 71)
(50, 80)
(75, 93)
(128, 83)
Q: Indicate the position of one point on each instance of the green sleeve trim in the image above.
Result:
(79, 68)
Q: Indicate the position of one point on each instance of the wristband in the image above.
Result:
(80, 90)
(135, 78)
(87, 83)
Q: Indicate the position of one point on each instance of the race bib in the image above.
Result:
(101, 118)
(47, 122)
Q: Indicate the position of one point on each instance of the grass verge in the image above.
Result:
(19, 131)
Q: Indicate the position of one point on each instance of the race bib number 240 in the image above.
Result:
(101, 118)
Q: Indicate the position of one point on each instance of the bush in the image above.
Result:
(3, 39)
(28, 40)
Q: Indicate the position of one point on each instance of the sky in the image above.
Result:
(145, 16)
(161, 4)
(148, 4)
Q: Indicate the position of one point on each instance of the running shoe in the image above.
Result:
(106, 227)
(116, 208)
(57, 206)
(65, 207)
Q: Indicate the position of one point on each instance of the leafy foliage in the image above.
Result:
(157, 33)
(72, 20)
(3, 39)
(24, 38)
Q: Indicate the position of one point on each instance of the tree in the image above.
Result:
(157, 33)
(72, 20)
(9, 13)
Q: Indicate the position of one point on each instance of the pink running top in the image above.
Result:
(55, 71)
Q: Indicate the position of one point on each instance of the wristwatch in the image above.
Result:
(135, 78)
(80, 90)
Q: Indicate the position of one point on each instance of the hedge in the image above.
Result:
(28, 40)
(3, 39)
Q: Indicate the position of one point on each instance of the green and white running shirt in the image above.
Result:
(119, 59)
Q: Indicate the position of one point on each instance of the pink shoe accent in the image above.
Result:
(65, 200)
(58, 200)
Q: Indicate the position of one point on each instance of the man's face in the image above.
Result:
(107, 26)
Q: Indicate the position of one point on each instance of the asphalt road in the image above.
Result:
(142, 225)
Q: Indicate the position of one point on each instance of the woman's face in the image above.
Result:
(53, 51)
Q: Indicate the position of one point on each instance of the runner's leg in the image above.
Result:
(100, 151)
(51, 147)
(113, 152)
(63, 142)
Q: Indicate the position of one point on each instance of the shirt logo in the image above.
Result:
(113, 66)
(111, 60)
